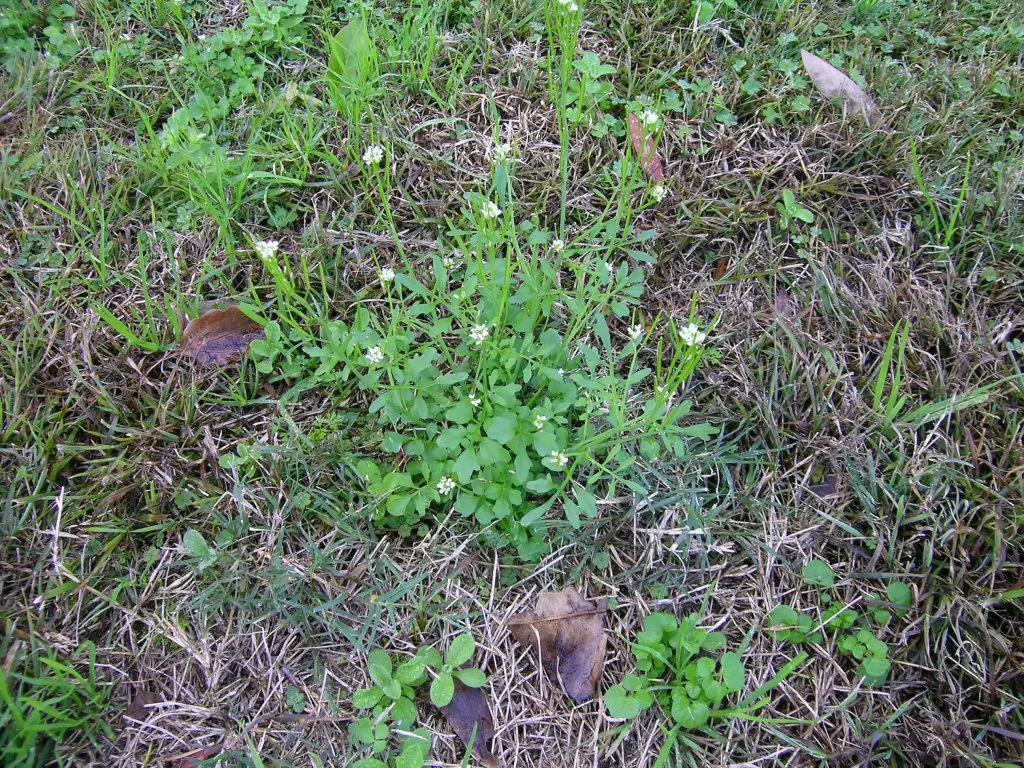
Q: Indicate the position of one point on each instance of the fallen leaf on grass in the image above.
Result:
(139, 707)
(570, 633)
(219, 336)
(644, 147)
(833, 84)
(196, 756)
(468, 710)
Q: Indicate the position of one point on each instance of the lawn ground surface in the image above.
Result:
(494, 357)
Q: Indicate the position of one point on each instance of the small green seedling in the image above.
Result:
(679, 671)
(390, 698)
(442, 688)
(872, 654)
(790, 210)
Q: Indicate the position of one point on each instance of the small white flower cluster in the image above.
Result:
(659, 192)
(387, 274)
(610, 267)
(266, 249)
(453, 259)
(569, 5)
(374, 355)
(635, 332)
(373, 154)
(557, 246)
(560, 460)
(649, 118)
(692, 335)
(490, 210)
(474, 400)
(501, 152)
(445, 486)
(539, 420)
(479, 334)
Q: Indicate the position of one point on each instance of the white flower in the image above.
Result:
(538, 421)
(502, 151)
(692, 335)
(610, 267)
(636, 332)
(474, 400)
(649, 117)
(571, 5)
(558, 246)
(659, 192)
(479, 333)
(490, 210)
(561, 371)
(560, 460)
(266, 249)
(445, 486)
(373, 154)
(387, 275)
(374, 355)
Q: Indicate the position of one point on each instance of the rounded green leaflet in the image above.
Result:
(734, 676)
(367, 697)
(392, 689)
(379, 664)
(623, 705)
(411, 672)
(819, 573)
(472, 677)
(403, 714)
(442, 689)
(900, 594)
(461, 650)
(689, 713)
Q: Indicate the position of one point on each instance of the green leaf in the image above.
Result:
(688, 713)
(501, 428)
(460, 413)
(379, 664)
(403, 714)
(366, 698)
(875, 669)
(461, 650)
(466, 465)
(369, 762)
(392, 689)
(472, 677)
(196, 545)
(900, 594)
(733, 673)
(430, 655)
(586, 500)
(819, 573)
(442, 689)
(601, 329)
(352, 55)
(625, 703)
(466, 503)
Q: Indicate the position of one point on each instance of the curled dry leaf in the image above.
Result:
(570, 633)
(138, 709)
(194, 757)
(219, 336)
(833, 84)
(467, 710)
(644, 147)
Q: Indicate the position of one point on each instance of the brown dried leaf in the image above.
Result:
(139, 707)
(833, 84)
(192, 758)
(219, 336)
(468, 710)
(645, 150)
(570, 632)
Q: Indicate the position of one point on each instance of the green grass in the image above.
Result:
(858, 398)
